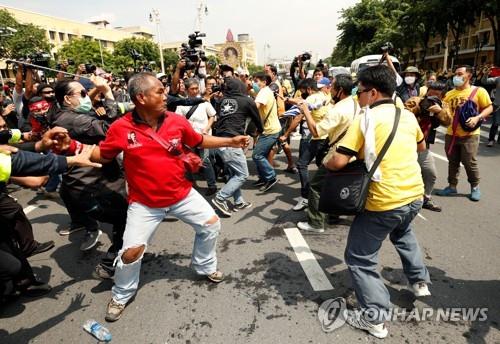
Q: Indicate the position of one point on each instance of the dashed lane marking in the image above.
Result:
(29, 209)
(310, 265)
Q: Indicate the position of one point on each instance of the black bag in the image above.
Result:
(345, 191)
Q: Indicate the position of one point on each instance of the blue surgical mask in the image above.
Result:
(255, 87)
(85, 105)
(458, 81)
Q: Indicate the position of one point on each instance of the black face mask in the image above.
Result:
(304, 95)
(336, 97)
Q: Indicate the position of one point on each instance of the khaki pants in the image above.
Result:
(464, 151)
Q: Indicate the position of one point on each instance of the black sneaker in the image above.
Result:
(222, 206)
(269, 184)
(241, 206)
(428, 204)
(211, 191)
(42, 247)
(259, 183)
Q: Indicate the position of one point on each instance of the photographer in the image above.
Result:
(201, 117)
(297, 69)
(431, 113)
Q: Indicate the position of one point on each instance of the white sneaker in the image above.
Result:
(355, 320)
(301, 204)
(305, 226)
(420, 289)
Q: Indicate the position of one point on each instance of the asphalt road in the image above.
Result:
(267, 297)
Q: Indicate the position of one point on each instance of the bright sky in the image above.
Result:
(290, 27)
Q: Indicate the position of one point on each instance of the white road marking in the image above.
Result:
(422, 217)
(440, 157)
(29, 209)
(306, 258)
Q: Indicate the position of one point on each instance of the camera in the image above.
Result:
(303, 57)
(192, 51)
(387, 47)
(40, 59)
(216, 88)
(90, 68)
(320, 64)
(427, 102)
(69, 62)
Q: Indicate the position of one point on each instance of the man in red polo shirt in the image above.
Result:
(152, 141)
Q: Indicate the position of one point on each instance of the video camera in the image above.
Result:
(40, 59)
(193, 52)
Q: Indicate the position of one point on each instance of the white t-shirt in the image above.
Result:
(199, 119)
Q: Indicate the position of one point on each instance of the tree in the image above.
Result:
(82, 50)
(491, 9)
(252, 69)
(170, 59)
(28, 39)
(148, 49)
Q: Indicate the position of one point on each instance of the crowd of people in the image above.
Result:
(131, 153)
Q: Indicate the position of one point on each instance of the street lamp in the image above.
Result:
(155, 16)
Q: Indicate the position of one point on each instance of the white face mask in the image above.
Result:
(410, 80)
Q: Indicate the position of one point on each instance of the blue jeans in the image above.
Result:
(368, 230)
(260, 152)
(208, 167)
(53, 183)
(236, 164)
(142, 223)
(307, 152)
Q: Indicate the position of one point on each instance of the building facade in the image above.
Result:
(477, 47)
(239, 53)
(60, 31)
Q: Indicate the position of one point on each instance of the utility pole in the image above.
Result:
(200, 12)
(155, 16)
(445, 58)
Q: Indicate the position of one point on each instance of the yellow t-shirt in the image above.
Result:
(319, 113)
(456, 98)
(401, 181)
(271, 124)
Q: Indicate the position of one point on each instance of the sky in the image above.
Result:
(286, 27)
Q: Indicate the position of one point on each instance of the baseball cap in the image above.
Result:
(324, 82)
(160, 75)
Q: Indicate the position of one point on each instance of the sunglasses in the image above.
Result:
(82, 93)
(358, 93)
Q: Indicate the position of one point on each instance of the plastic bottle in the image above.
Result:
(97, 330)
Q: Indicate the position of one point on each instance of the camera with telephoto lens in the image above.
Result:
(192, 52)
(90, 68)
(387, 47)
(427, 102)
(303, 57)
(40, 59)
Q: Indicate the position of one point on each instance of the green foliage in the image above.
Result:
(82, 50)
(170, 59)
(252, 69)
(406, 23)
(28, 39)
(147, 48)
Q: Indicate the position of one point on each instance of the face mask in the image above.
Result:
(85, 105)
(458, 81)
(410, 80)
(255, 87)
(336, 98)
(304, 95)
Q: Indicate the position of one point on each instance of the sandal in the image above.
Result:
(216, 277)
